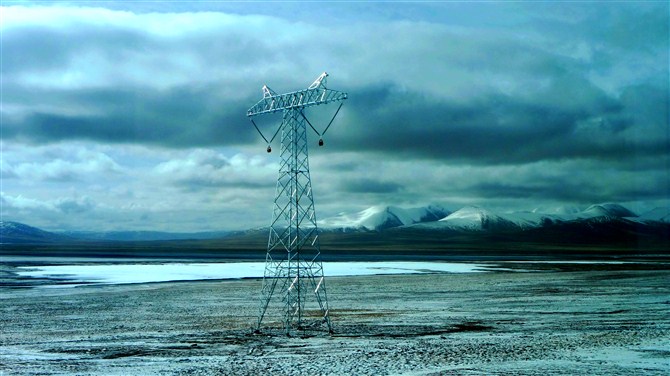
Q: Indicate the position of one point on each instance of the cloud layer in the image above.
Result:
(133, 114)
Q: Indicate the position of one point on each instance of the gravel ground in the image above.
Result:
(541, 323)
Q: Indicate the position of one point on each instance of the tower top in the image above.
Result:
(267, 92)
(320, 81)
(315, 94)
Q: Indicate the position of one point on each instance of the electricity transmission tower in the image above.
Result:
(293, 269)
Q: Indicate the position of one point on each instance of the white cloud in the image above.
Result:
(207, 168)
(82, 165)
(21, 203)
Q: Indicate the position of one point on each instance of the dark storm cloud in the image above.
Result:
(180, 117)
(501, 129)
(365, 185)
(197, 185)
(582, 191)
(564, 191)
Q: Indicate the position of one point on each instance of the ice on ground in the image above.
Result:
(145, 273)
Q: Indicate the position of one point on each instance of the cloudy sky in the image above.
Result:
(132, 115)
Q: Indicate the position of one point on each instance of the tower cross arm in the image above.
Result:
(296, 99)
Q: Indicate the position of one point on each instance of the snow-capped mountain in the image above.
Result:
(378, 218)
(472, 218)
(537, 218)
(606, 210)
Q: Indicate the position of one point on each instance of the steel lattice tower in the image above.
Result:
(293, 269)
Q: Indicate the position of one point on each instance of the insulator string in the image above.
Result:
(331, 120)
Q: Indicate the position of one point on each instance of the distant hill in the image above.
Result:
(143, 235)
(19, 233)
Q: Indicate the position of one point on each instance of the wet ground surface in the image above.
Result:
(609, 322)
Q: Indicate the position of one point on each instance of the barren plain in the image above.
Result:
(612, 320)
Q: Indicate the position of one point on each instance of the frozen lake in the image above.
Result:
(144, 273)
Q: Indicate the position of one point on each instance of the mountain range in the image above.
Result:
(143, 235)
(18, 233)
(474, 218)
(607, 221)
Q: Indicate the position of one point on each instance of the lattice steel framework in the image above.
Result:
(292, 262)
